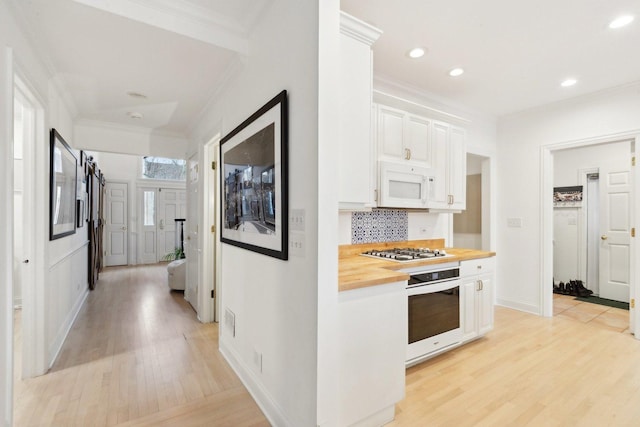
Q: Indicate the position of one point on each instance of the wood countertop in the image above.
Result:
(357, 271)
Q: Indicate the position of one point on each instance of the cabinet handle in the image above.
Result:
(481, 285)
(477, 285)
(407, 154)
(375, 195)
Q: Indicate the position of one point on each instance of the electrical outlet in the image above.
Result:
(230, 322)
(257, 360)
(297, 220)
(296, 244)
(514, 222)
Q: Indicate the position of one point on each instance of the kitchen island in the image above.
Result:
(373, 319)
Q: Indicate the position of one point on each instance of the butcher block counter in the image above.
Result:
(356, 271)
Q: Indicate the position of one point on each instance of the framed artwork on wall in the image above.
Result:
(254, 181)
(63, 169)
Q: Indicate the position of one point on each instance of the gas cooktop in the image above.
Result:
(406, 254)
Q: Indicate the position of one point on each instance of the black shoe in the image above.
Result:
(582, 291)
(556, 289)
(561, 289)
(572, 288)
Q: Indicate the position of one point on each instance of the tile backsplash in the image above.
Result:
(379, 225)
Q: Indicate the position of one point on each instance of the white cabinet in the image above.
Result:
(372, 342)
(357, 173)
(477, 293)
(403, 137)
(449, 163)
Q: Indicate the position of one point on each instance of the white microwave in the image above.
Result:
(404, 186)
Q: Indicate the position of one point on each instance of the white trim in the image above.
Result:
(209, 242)
(63, 332)
(268, 406)
(546, 219)
(67, 255)
(6, 233)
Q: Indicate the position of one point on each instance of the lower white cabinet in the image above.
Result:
(477, 292)
(372, 346)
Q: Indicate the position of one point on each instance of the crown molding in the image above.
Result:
(359, 30)
(181, 17)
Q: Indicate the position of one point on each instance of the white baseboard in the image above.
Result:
(269, 407)
(63, 332)
(528, 308)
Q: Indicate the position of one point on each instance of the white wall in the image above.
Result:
(276, 302)
(60, 265)
(520, 138)
(569, 248)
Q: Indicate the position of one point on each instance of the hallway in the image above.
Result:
(136, 356)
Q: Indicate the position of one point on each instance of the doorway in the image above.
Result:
(471, 227)
(592, 220)
(627, 181)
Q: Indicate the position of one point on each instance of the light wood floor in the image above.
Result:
(138, 357)
(579, 368)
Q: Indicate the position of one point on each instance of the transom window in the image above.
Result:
(164, 168)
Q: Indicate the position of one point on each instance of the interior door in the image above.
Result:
(191, 234)
(172, 204)
(117, 224)
(615, 229)
(148, 239)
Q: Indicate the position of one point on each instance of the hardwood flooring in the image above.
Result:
(138, 357)
(569, 370)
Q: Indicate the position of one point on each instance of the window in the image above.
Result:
(164, 168)
(149, 207)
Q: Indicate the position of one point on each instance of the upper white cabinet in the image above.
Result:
(357, 152)
(447, 185)
(403, 137)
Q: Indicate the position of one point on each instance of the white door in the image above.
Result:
(191, 233)
(147, 241)
(116, 226)
(172, 204)
(615, 229)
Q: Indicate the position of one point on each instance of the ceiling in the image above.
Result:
(175, 52)
(180, 52)
(515, 53)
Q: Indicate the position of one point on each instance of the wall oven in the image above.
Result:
(434, 311)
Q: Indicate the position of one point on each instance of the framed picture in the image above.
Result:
(567, 197)
(63, 169)
(254, 182)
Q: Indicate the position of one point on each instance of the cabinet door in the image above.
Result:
(418, 139)
(438, 195)
(468, 319)
(485, 304)
(457, 183)
(355, 188)
(390, 133)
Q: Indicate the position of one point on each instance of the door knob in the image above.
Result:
(26, 261)
(604, 237)
(124, 228)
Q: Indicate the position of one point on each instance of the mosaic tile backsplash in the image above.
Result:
(379, 225)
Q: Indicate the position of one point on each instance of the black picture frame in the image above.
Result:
(63, 169)
(254, 182)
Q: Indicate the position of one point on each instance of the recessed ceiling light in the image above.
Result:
(416, 52)
(568, 82)
(621, 21)
(456, 72)
(137, 95)
(134, 115)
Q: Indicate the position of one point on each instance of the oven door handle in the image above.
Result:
(430, 289)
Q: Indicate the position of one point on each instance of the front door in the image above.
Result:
(615, 233)
(116, 223)
(172, 204)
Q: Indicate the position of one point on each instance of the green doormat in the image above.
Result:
(604, 301)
